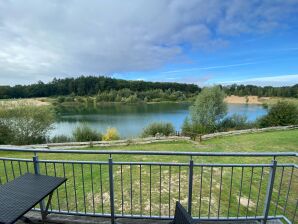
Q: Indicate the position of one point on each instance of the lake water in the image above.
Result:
(131, 119)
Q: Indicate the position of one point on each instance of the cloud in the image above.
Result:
(279, 80)
(43, 39)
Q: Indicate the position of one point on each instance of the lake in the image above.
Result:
(130, 119)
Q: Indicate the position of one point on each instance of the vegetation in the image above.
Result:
(281, 114)
(111, 134)
(25, 124)
(90, 85)
(85, 133)
(207, 111)
(61, 139)
(266, 91)
(158, 128)
(235, 122)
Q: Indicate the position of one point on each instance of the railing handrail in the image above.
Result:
(157, 153)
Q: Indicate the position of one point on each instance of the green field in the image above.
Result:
(94, 195)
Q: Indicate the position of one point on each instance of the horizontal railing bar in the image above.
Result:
(16, 159)
(73, 162)
(152, 163)
(168, 153)
(164, 217)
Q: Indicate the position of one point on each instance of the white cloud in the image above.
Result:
(42, 39)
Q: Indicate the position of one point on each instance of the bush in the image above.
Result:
(5, 134)
(111, 134)
(234, 122)
(61, 139)
(85, 133)
(281, 114)
(158, 128)
(27, 124)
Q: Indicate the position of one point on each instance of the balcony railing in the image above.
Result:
(142, 184)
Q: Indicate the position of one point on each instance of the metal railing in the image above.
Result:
(141, 184)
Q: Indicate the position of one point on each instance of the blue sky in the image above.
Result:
(195, 41)
(267, 59)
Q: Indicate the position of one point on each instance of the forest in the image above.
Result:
(96, 85)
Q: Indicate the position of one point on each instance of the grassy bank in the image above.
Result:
(95, 194)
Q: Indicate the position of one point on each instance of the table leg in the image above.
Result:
(45, 212)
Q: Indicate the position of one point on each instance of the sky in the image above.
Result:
(194, 41)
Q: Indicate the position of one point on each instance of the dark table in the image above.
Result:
(20, 195)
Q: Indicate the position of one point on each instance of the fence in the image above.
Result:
(260, 186)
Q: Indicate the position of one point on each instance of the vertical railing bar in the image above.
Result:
(240, 191)
(27, 166)
(122, 193)
(179, 184)
(210, 191)
(37, 172)
(170, 170)
(12, 168)
(220, 188)
(131, 192)
(141, 205)
(0, 181)
(150, 189)
(20, 168)
(74, 187)
(201, 185)
(92, 188)
(269, 191)
(289, 188)
(280, 185)
(190, 186)
(111, 184)
(65, 188)
(294, 215)
(4, 164)
(83, 182)
(57, 191)
(101, 189)
(160, 190)
(260, 187)
(231, 187)
(249, 194)
(46, 170)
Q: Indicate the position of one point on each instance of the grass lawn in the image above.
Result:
(155, 192)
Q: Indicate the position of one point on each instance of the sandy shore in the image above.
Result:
(244, 99)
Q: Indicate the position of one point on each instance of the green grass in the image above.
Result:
(167, 178)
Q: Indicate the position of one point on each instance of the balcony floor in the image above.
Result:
(68, 219)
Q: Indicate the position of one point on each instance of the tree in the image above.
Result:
(281, 114)
(208, 109)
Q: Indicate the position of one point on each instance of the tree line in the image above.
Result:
(95, 85)
(266, 91)
(89, 85)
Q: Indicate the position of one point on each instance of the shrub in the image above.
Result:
(281, 114)
(27, 124)
(111, 134)
(234, 122)
(158, 128)
(5, 134)
(85, 133)
(61, 139)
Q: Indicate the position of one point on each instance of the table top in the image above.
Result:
(21, 194)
